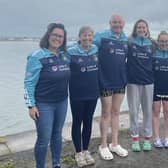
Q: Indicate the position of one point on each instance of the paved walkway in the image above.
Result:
(25, 141)
(17, 150)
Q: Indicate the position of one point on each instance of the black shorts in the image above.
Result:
(110, 92)
(157, 97)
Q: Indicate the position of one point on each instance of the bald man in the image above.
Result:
(113, 51)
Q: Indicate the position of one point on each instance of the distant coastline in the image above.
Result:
(19, 38)
(28, 39)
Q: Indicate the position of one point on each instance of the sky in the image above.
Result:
(31, 17)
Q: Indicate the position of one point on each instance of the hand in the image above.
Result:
(33, 112)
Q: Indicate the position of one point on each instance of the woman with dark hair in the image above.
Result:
(140, 83)
(46, 90)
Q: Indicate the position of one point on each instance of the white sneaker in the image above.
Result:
(118, 150)
(89, 159)
(80, 159)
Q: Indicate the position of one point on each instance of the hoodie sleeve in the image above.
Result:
(32, 73)
(97, 39)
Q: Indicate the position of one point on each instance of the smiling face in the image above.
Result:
(56, 38)
(86, 38)
(163, 41)
(142, 29)
(116, 24)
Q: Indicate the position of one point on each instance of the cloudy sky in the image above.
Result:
(30, 17)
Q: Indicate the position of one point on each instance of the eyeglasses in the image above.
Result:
(57, 35)
(163, 41)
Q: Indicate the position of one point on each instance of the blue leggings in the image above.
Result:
(49, 130)
(82, 113)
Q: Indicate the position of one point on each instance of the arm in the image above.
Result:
(33, 69)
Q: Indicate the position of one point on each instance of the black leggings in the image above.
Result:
(82, 113)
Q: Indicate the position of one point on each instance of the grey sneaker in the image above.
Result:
(165, 142)
(89, 159)
(80, 159)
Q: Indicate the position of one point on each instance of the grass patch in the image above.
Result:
(68, 160)
(124, 130)
(7, 165)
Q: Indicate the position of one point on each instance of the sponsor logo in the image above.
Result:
(143, 55)
(89, 68)
(54, 68)
(164, 68)
(111, 50)
(92, 68)
(83, 69)
(63, 67)
(119, 51)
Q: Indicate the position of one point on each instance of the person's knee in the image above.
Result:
(156, 112)
(115, 111)
(76, 124)
(57, 132)
(105, 115)
(165, 112)
(42, 141)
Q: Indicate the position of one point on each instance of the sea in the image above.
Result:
(14, 117)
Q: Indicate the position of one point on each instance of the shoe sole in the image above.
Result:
(147, 150)
(117, 153)
(136, 150)
(88, 164)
